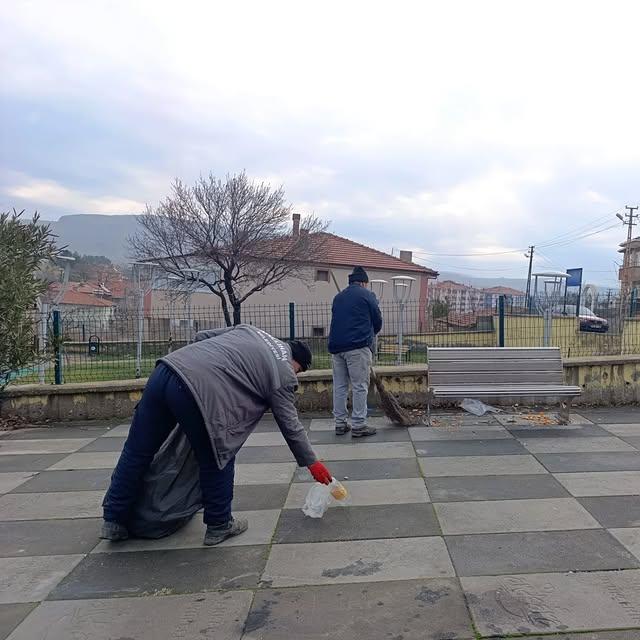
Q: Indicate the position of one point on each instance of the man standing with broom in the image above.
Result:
(355, 321)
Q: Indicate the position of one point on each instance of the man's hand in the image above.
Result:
(320, 473)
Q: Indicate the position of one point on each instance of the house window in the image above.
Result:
(318, 332)
(322, 275)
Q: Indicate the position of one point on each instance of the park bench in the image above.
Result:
(391, 349)
(498, 372)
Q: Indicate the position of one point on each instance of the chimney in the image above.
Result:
(406, 256)
(296, 225)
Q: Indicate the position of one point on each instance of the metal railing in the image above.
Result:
(110, 343)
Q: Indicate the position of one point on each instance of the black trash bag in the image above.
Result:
(170, 494)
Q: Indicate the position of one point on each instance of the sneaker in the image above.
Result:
(217, 534)
(113, 531)
(341, 429)
(363, 432)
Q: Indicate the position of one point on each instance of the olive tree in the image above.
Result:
(24, 245)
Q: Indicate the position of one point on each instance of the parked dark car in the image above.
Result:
(589, 321)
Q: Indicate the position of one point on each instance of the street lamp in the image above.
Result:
(138, 268)
(195, 276)
(402, 286)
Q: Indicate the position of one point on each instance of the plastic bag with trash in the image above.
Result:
(320, 496)
(478, 408)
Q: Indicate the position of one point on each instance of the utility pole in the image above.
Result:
(628, 220)
(529, 255)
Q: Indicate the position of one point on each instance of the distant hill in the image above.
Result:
(96, 235)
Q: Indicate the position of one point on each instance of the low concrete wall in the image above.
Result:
(605, 380)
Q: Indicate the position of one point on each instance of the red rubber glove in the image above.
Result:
(320, 473)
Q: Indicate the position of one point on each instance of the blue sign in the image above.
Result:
(575, 278)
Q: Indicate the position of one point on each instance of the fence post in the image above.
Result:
(57, 347)
(292, 321)
(501, 321)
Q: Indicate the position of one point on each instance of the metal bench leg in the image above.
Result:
(429, 398)
(565, 411)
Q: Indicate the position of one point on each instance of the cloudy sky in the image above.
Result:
(445, 127)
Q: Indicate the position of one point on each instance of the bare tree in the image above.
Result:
(232, 236)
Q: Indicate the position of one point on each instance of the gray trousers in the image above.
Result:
(351, 367)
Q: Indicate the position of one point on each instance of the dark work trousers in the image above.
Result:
(167, 401)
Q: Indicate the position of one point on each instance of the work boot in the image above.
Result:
(363, 432)
(113, 531)
(341, 429)
(216, 534)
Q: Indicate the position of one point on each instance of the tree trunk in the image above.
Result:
(225, 311)
(236, 314)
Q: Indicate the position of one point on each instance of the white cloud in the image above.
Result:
(54, 194)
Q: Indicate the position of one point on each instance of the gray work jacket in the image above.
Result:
(235, 375)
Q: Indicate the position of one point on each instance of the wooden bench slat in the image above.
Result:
(497, 377)
(500, 365)
(493, 353)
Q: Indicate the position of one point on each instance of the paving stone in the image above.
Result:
(262, 524)
(141, 573)
(591, 635)
(11, 615)
(48, 537)
(259, 455)
(9, 481)
(365, 451)
(604, 483)
(633, 441)
(614, 511)
(48, 433)
(368, 492)
(575, 445)
(36, 447)
(613, 415)
(499, 516)
(411, 610)
(26, 462)
(399, 434)
(51, 506)
(78, 480)
(552, 602)
(630, 538)
(188, 617)
(568, 431)
(264, 473)
(423, 434)
(31, 579)
(270, 426)
(576, 462)
(328, 424)
(480, 466)
(623, 430)
(358, 523)
(255, 497)
(470, 488)
(292, 565)
(470, 448)
(104, 444)
(267, 439)
(510, 420)
(121, 431)
(506, 553)
(366, 470)
(104, 460)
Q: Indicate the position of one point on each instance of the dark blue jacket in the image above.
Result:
(355, 319)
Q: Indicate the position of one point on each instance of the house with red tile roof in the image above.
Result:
(314, 292)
